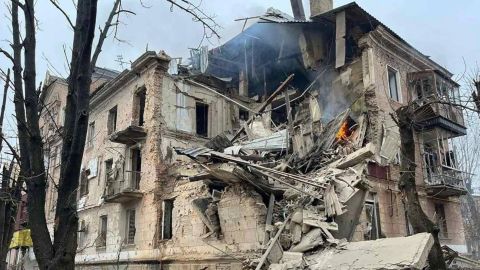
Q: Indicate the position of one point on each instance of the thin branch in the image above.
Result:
(104, 32)
(8, 55)
(4, 101)
(54, 2)
(193, 11)
(12, 149)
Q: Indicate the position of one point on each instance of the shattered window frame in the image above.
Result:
(372, 212)
(393, 77)
(102, 231)
(441, 220)
(130, 226)
(202, 107)
(140, 102)
(112, 120)
(167, 218)
(90, 134)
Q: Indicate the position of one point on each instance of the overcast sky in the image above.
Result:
(443, 29)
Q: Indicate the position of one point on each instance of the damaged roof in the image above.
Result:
(355, 9)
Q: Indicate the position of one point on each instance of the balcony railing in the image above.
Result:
(124, 189)
(434, 112)
(444, 182)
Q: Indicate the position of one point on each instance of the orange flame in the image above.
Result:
(342, 133)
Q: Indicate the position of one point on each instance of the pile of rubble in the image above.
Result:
(313, 176)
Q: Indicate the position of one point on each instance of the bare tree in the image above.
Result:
(59, 252)
(469, 160)
(405, 116)
(10, 191)
(417, 217)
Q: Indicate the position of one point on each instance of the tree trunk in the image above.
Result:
(8, 210)
(417, 217)
(75, 131)
(473, 231)
(61, 253)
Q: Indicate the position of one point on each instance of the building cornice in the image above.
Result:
(146, 61)
(385, 40)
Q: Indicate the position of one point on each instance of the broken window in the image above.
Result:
(393, 84)
(109, 169)
(373, 217)
(112, 120)
(201, 115)
(84, 182)
(82, 231)
(441, 220)
(140, 98)
(167, 220)
(243, 115)
(136, 168)
(130, 227)
(90, 134)
(110, 184)
(102, 233)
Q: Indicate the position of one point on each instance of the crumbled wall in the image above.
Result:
(242, 219)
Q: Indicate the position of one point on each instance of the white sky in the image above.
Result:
(444, 29)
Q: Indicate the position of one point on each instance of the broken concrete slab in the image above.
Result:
(356, 157)
(309, 241)
(387, 253)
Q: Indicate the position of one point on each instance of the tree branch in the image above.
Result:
(103, 33)
(8, 55)
(54, 2)
(12, 149)
(193, 11)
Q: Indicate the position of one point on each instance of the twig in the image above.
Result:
(64, 13)
(192, 11)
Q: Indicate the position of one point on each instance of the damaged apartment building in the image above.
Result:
(276, 149)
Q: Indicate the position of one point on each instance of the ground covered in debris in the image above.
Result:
(311, 176)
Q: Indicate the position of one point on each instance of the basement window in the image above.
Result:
(441, 220)
(393, 84)
(112, 120)
(102, 233)
(201, 113)
(140, 99)
(130, 227)
(167, 221)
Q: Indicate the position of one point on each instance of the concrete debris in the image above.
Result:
(388, 253)
(311, 177)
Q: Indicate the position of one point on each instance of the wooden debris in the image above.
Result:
(266, 103)
(272, 243)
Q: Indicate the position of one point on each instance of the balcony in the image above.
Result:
(129, 136)
(434, 95)
(445, 183)
(124, 190)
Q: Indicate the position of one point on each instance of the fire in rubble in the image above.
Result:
(346, 130)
